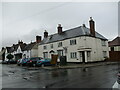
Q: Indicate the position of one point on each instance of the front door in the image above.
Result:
(82, 56)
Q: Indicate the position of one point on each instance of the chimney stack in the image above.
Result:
(45, 34)
(38, 39)
(84, 25)
(92, 27)
(59, 29)
(20, 42)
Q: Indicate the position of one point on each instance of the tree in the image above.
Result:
(10, 56)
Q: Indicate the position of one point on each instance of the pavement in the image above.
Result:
(71, 65)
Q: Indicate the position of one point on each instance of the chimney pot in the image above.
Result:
(45, 34)
(84, 25)
(59, 29)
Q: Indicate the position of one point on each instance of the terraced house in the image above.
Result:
(80, 44)
(22, 50)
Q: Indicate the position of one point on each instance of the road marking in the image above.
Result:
(115, 86)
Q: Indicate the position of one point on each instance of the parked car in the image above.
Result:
(44, 62)
(24, 61)
(19, 61)
(11, 61)
(33, 60)
(4, 62)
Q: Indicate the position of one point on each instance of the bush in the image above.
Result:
(10, 56)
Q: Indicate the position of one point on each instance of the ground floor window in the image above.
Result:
(45, 54)
(60, 53)
(104, 54)
(73, 54)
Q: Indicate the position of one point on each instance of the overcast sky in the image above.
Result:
(25, 20)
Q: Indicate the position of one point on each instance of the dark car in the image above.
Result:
(24, 61)
(44, 62)
(11, 61)
(32, 61)
(4, 62)
(19, 62)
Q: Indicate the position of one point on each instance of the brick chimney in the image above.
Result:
(38, 39)
(59, 29)
(92, 27)
(45, 34)
(84, 25)
(20, 42)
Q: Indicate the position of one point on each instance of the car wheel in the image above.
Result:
(34, 65)
(42, 65)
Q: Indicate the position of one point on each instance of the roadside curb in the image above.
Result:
(80, 66)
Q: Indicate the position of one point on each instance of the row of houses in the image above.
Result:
(79, 44)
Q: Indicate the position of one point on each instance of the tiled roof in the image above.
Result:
(8, 49)
(15, 47)
(71, 33)
(29, 46)
(115, 42)
(22, 46)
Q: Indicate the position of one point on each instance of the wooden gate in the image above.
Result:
(114, 55)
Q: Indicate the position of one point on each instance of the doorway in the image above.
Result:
(82, 56)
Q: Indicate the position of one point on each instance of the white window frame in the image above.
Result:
(60, 44)
(104, 54)
(73, 42)
(73, 55)
(103, 42)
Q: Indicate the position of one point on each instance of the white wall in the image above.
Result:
(27, 53)
(31, 53)
(34, 53)
(85, 42)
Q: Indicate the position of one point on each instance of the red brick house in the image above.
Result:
(114, 49)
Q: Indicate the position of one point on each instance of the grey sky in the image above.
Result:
(25, 20)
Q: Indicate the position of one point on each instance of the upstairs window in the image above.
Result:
(60, 44)
(51, 45)
(44, 47)
(73, 42)
(103, 43)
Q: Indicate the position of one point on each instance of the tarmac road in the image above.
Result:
(14, 76)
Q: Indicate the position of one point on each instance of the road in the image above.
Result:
(14, 76)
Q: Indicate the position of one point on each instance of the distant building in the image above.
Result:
(2, 54)
(114, 45)
(22, 50)
(79, 44)
(16, 50)
(114, 49)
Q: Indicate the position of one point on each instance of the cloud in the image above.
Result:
(23, 21)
